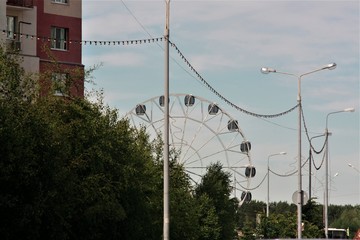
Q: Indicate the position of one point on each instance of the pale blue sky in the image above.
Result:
(228, 42)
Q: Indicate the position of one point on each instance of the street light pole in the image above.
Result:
(166, 220)
(327, 169)
(266, 70)
(268, 181)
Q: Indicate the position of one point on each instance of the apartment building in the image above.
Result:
(47, 34)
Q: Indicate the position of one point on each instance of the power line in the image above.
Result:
(225, 99)
(205, 82)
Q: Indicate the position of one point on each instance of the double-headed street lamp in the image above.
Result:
(327, 169)
(300, 194)
(268, 181)
(166, 194)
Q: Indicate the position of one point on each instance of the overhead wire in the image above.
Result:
(307, 134)
(143, 27)
(313, 160)
(253, 188)
(225, 99)
(206, 83)
(289, 174)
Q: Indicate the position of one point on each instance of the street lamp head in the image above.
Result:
(267, 70)
(276, 154)
(330, 66)
(349, 110)
(344, 110)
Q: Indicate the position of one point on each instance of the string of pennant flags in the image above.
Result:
(84, 42)
(224, 98)
(144, 41)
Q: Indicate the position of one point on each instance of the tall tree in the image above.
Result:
(312, 212)
(209, 226)
(216, 184)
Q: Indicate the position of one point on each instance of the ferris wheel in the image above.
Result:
(202, 133)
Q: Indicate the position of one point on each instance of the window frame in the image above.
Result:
(11, 33)
(60, 1)
(59, 42)
(59, 82)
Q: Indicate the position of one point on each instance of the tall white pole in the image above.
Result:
(166, 220)
(268, 187)
(268, 181)
(326, 204)
(299, 198)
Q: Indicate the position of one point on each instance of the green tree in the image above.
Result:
(71, 169)
(248, 212)
(216, 184)
(334, 212)
(313, 221)
(277, 226)
(183, 213)
(15, 84)
(248, 232)
(349, 218)
(282, 207)
(209, 226)
(311, 230)
(183, 206)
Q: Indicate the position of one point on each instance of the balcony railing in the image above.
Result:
(21, 3)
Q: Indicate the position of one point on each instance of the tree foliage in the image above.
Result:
(282, 219)
(248, 213)
(349, 218)
(72, 169)
(277, 226)
(216, 185)
(15, 84)
(67, 167)
(313, 218)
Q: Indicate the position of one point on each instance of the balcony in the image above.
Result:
(12, 45)
(20, 3)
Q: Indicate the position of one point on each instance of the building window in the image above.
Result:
(10, 27)
(60, 1)
(60, 83)
(59, 37)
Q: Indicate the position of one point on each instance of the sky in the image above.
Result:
(227, 43)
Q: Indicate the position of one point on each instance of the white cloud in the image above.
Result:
(120, 20)
(239, 29)
(116, 59)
